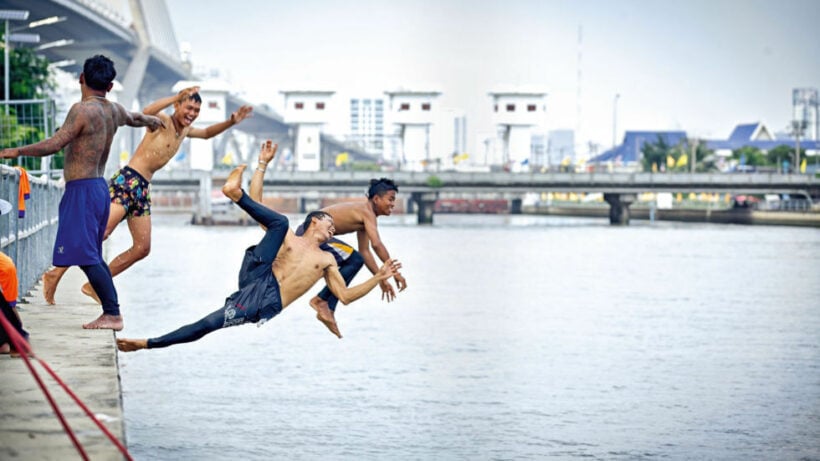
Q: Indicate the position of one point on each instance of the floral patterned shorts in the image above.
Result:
(129, 189)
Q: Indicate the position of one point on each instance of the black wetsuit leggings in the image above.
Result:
(99, 276)
(277, 228)
(348, 268)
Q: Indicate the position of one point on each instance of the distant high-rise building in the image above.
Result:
(805, 107)
(367, 124)
(560, 145)
(538, 150)
(447, 137)
(460, 134)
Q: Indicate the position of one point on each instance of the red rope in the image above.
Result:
(88, 412)
(24, 348)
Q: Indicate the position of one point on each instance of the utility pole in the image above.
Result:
(797, 130)
(6, 16)
(615, 119)
(694, 156)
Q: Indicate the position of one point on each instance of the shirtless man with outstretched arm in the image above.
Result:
(129, 188)
(86, 135)
(357, 216)
(280, 269)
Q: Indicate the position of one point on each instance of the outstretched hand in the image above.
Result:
(185, 94)
(153, 123)
(388, 293)
(268, 151)
(400, 282)
(389, 269)
(11, 152)
(241, 114)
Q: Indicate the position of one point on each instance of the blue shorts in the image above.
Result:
(83, 217)
(257, 299)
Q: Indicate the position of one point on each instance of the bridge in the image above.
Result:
(620, 189)
(139, 37)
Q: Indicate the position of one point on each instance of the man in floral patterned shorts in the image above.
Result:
(129, 188)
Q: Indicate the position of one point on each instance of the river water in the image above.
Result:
(519, 337)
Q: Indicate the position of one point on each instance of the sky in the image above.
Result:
(702, 66)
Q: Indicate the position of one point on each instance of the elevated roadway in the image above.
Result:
(146, 54)
(138, 36)
(619, 189)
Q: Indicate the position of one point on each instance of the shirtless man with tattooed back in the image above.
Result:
(129, 188)
(86, 135)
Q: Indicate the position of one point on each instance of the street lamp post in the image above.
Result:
(694, 157)
(9, 15)
(9, 36)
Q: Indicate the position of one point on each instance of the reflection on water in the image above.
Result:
(518, 338)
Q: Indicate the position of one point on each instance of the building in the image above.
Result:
(307, 110)
(367, 124)
(515, 111)
(805, 104)
(560, 147)
(448, 140)
(413, 111)
(628, 155)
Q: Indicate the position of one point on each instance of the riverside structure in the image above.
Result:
(620, 189)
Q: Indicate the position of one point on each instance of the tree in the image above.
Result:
(30, 78)
(654, 155)
(29, 74)
(780, 153)
(705, 157)
(661, 156)
(749, 155)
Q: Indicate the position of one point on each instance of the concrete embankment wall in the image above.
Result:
(86, 360)
(721, 216)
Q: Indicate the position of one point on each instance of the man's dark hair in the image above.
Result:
(195, 97)
(318, 214)
(380, 187)
(99, 72)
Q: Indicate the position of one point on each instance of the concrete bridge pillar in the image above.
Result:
(516, 205)
(619, 208)
(309, 203)
(425, 202)
(204, 211)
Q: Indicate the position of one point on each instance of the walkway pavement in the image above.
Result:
(86, 360)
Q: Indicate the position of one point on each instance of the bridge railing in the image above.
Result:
(29, 239)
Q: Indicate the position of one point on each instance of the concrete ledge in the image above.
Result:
(719, 216)
(86, 360)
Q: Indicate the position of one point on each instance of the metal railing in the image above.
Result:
(29, 240)
(27, 121)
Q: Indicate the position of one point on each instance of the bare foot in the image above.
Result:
(13, 353)
(105, 322)
(89, 291)
(50, 280)
(131, 345)
(233, 185)
(325, 315)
